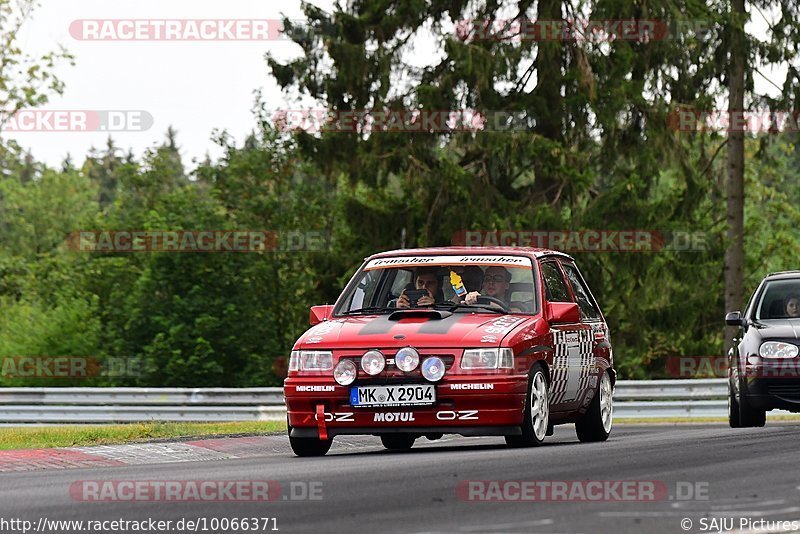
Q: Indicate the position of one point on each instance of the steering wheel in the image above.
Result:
(491, 300)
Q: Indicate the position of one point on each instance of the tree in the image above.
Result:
(734, 253)
(24, 81)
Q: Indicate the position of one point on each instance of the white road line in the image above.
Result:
(683, 513)
(500, 526)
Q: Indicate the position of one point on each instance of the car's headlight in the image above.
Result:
(777, 349)
(488, 359)
(433, 368)
(311, 360)
(373, 362)
(345, 372)
(406, 359)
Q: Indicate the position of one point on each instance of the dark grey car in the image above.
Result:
(764, 364)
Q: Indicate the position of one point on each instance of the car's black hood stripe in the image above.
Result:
(439, 326)
(379, 325)
(383, 325)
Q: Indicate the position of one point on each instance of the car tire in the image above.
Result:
(398, 442)
(596, 424)
(748, 416)
(536, 418)
(310, 446)
(733, 409)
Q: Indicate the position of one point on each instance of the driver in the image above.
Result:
(792, 306)
(496, 281)
(426, 278)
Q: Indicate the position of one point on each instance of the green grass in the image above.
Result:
(79, 435)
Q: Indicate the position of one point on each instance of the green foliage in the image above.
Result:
(595, 151)
(24, 81)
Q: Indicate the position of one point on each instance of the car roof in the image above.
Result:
(783, 275)
(525, 251)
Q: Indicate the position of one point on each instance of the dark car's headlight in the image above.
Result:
(488, 359)
(311, 360)
(777, 349)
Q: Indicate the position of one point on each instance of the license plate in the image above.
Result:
(398, 395)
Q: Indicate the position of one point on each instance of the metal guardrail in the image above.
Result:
(640, 399)
(110, 405)
(143, 396)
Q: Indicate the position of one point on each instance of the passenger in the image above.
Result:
(425, 278)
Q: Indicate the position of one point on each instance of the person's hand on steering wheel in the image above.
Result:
(471, 297)
(496, 303)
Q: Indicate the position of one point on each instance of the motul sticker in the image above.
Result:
(390, 417)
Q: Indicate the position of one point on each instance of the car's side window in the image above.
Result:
(554, 285)
(588, 310)
(364, 291)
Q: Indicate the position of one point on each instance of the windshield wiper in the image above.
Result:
(464, 306)
(368, 310)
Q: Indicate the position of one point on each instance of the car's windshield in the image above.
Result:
(502, 284)
(780, 299)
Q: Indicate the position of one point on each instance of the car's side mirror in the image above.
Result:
(734, 319)
(563, 312)
(320, 313)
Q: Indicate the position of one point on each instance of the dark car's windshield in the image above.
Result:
(381, 283)
(780, 299)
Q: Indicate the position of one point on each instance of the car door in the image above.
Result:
(571, 344)
(593, 318)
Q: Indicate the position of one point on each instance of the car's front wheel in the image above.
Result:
(537, 412)
(733, 409)
(398, 442)
(595, 425)
(310, 446)
(749, 416)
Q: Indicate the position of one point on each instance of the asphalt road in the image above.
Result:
(738, 473)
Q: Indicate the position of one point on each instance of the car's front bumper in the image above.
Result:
(318, 408)
(772, 385)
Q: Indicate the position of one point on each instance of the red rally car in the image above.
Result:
(472, 341)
